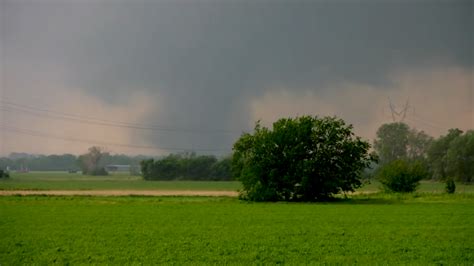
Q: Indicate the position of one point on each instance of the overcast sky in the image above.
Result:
(154, 77)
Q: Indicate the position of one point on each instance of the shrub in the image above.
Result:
(4, 174)
(450, 186)
(401, 175)
(301, 159)
(97, 172)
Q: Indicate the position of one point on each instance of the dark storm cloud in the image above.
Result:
(208, 59)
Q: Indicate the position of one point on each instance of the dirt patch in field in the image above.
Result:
(119, 193)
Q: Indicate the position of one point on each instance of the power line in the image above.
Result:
(46, 113)
(417, 121)
(82, 121)
(34, 133)
(427, 122)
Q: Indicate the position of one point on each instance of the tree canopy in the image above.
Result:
(187, 166)
(450, 156)
(305, 158)
(63, 162)
(92, 162)
(460, 158)
(438, 154)
(391, 142)
(395, 141)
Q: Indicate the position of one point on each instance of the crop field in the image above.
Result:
(379, 228)
(371, 227)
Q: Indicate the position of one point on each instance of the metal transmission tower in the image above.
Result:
(398, 116)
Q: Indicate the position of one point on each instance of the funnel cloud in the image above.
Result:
(201, 72)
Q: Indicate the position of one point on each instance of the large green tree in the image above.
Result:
(391, 142)
(396, 141)
(418, 145)
(460, 158)
(306, 158)
(438, 152)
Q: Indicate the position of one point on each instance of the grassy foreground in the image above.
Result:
(375, 229)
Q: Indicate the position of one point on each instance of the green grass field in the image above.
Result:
(66, 181)
(425, 187)
(367, 229)
(427, 227)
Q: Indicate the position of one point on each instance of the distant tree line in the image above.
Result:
(40, 162)
(64, 162)
(187, 166)
(407, 156)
